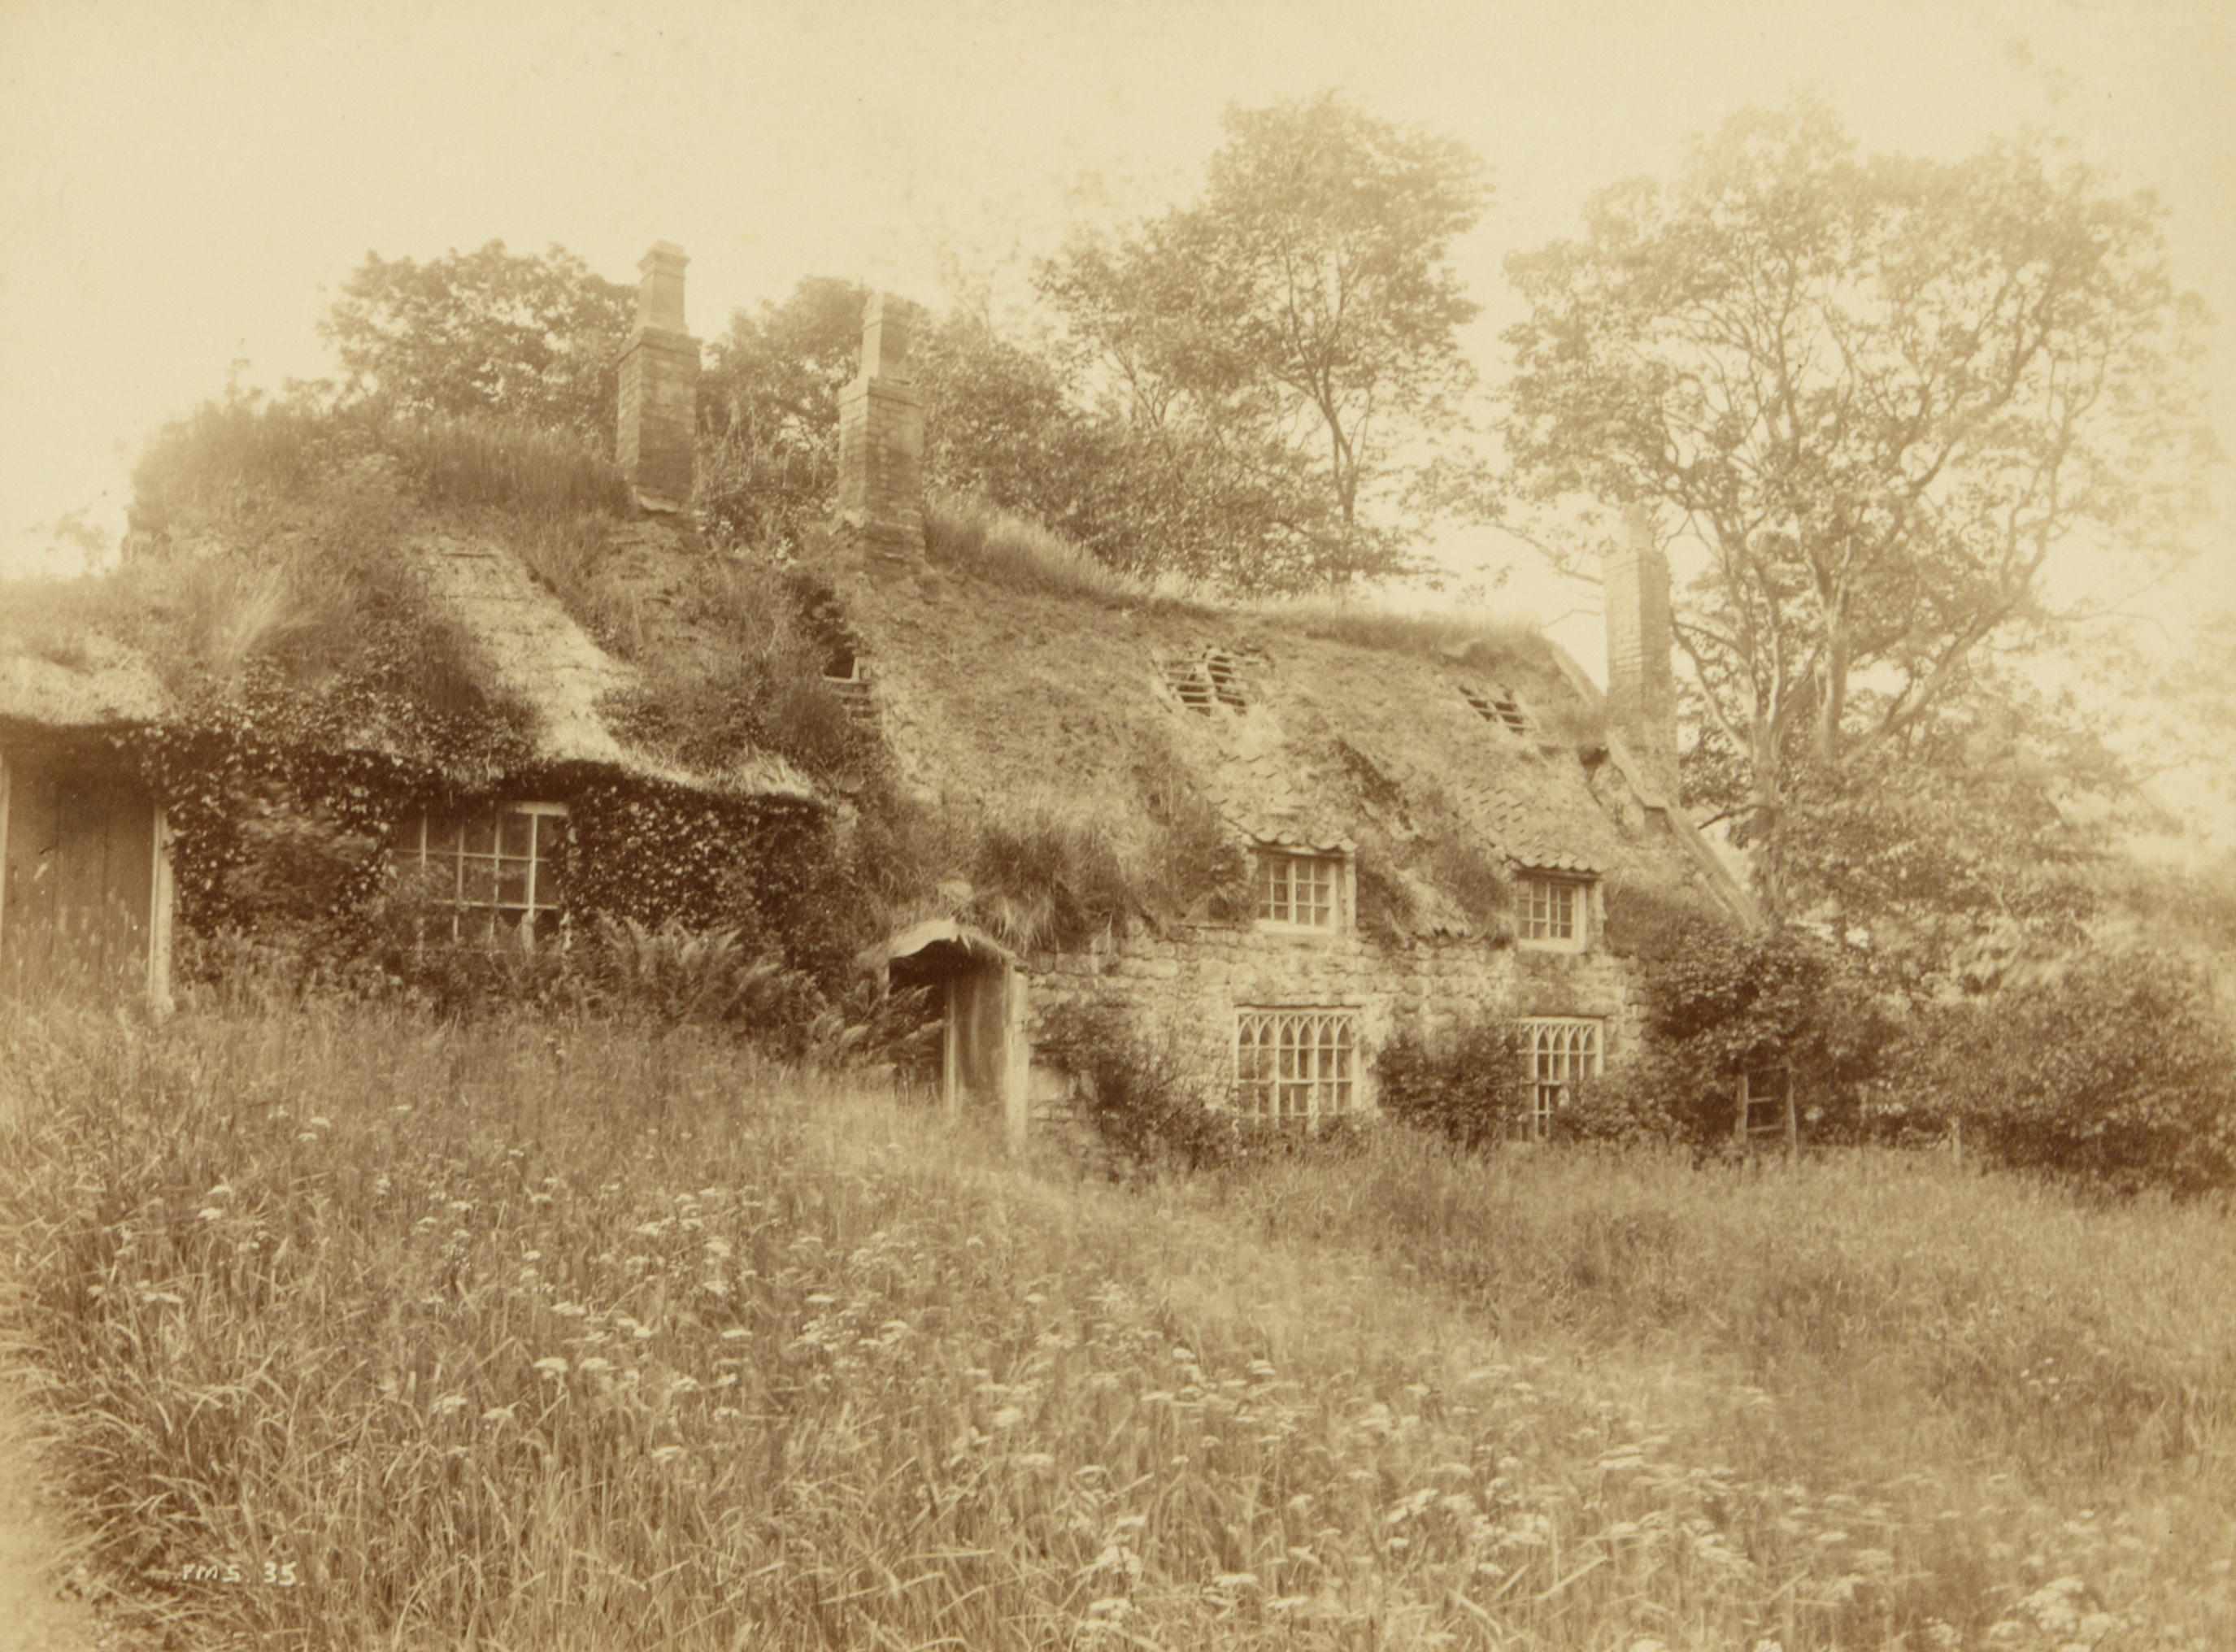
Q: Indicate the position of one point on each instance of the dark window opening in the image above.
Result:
(1498, 706)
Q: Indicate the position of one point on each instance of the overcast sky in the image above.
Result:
(182, 185)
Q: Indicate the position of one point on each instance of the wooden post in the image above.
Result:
(1740, 1129)
(1792, 1117)
(950, 1055)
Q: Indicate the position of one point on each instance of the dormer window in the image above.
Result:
(843, 676)
(1497, 705)
(1300, 892)
(1214, 678)
(1553, 913)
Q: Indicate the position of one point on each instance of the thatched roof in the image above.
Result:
(81, 685)
(530, 648)
(534, 650)
(1010, 700)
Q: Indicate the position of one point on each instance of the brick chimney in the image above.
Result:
(881, 434)
(660, 386)
(1641, 686)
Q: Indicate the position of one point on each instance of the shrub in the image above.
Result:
(1134, 1092)
(1051, 880)
(1473, 1088)
(2116, 1072)
(1629, 1107)
(1721, 1003)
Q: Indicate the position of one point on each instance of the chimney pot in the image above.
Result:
(660, 287)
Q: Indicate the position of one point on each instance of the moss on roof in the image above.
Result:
(1005, 699)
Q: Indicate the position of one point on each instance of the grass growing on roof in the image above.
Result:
(241, 457)
(966, 533)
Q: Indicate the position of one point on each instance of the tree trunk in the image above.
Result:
(1768, 814)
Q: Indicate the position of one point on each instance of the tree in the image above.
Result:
(1879, 396)
(536, 338)
(768, 411)
(1292, 338)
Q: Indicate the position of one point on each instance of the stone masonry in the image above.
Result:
(881, 434)
(1184, 988)
(660, 386)
(1641, 690)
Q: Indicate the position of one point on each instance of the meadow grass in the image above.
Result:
(535, 1335)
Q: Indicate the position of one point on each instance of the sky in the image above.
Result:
(183, 190)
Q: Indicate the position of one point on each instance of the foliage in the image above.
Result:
(1284, 391)
(614, 1333)
(247, 462)
(1473, 1088)
(1196, 862)
(535, 338)
(975, 537)
(1468, 639)
(768, 415)
(754, 683)
(1883, 397)
(1051, 879)
(1135, 1093)
(1626, 1108)
(2114, 1071)
(1721, 1003)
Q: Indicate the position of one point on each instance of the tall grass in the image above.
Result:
(244, 455)
(510, 1335)
(965, 532)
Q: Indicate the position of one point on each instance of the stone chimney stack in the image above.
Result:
(1641, 684)
(660, 386)
(881, 434)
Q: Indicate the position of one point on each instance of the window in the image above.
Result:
(1300, 892)
(1560, 1050)
(1215, 679)
(1555, 913)
(497, 868)
(1295, 1066)
(1225, 678)
(1496, 705)
(843, 676)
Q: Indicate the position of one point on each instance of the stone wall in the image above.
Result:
(1186, 985)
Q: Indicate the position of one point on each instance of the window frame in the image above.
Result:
(1266, 857)
(1576, 890)
(1327, 1062)
(1549, 1093)
(519, 928)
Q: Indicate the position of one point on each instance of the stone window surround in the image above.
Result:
(1341, 863)
(517, 918)
(1583, 899)
(1558, 1050)
(1321, 1045)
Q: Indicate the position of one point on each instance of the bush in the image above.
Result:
(1134, 1092)
(2116, 1072)
(1473, 1088)
(1721, 1003)
(1626, 1108)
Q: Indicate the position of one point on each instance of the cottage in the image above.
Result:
(1339, 772)
(1352, 834)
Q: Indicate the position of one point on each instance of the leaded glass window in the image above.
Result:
(1295, 1067)
(1562, 1050)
